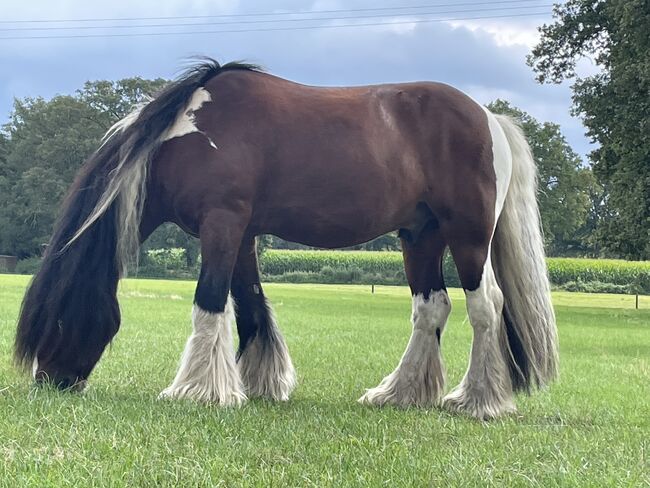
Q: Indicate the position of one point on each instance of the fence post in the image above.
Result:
(637, 301)
(373, 288)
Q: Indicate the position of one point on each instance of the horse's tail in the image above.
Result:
(70, 310)
(520, 267)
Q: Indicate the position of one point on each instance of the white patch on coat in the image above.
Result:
(419, 378)
(185, 123)
(501, 160)
(34, 367)
(208, 372)
(387, 117)
(265, 365)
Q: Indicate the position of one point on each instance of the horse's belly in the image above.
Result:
(338, 222)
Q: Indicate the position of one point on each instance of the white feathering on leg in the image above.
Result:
(265, 365)
(208, 372)
(486, 390)
(419, 378)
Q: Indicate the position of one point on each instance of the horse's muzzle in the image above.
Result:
(63, 383)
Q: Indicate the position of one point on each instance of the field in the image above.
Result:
(592, 428)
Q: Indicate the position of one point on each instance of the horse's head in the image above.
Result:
(68, 370)
(66, 322)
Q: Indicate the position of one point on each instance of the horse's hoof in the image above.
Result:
(458, 401)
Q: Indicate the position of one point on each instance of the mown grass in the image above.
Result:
(591, 428)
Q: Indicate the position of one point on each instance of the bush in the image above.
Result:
(596, 287)
(363, 267)
(378, 267)
(164, 263)
(635, 274)
(28, 266)
(387, 268)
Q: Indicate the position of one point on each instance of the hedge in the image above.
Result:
(383, 267)
(387, 268)
(615, 271)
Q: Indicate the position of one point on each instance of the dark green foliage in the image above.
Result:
(28, 266)
(597, 287)
(44, 144)
(386, 268)
(170, 236)
(171, 263)
(635, 275)
(47, 143)
(613, 103)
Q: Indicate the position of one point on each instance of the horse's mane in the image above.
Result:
(98, 229)
(205, 68)
(130, 143)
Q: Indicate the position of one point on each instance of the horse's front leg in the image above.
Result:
(208, 371)
(263, 358)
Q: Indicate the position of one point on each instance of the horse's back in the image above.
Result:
(425, 120)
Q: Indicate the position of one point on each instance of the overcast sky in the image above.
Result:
(485, 58)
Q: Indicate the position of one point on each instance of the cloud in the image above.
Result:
(505, 34)
(484, 58)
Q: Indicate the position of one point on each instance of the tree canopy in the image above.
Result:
(43, 146)
(614, 105)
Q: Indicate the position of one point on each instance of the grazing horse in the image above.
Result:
(228, 153)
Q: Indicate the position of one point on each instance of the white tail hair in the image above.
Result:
(520, 267)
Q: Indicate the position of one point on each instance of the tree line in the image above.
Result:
(599, 207)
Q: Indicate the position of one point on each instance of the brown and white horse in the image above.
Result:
(228, 153)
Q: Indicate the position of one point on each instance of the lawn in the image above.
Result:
(590, 428)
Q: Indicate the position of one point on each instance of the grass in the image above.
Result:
(591, 428)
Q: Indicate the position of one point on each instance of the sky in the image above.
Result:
(483, 57)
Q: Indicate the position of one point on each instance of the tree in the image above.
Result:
(614, 105)
(169, 236)
(48, 141)
(112, 100)
(564, 197)
(43, 146)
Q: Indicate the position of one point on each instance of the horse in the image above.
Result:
(230, 152)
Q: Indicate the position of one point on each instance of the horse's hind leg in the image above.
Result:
(486, 389)
(263, 358)
(208, 371)
(419, 378)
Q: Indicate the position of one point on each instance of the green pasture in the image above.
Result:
(591, 428)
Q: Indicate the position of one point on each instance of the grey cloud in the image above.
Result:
(470, 60)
